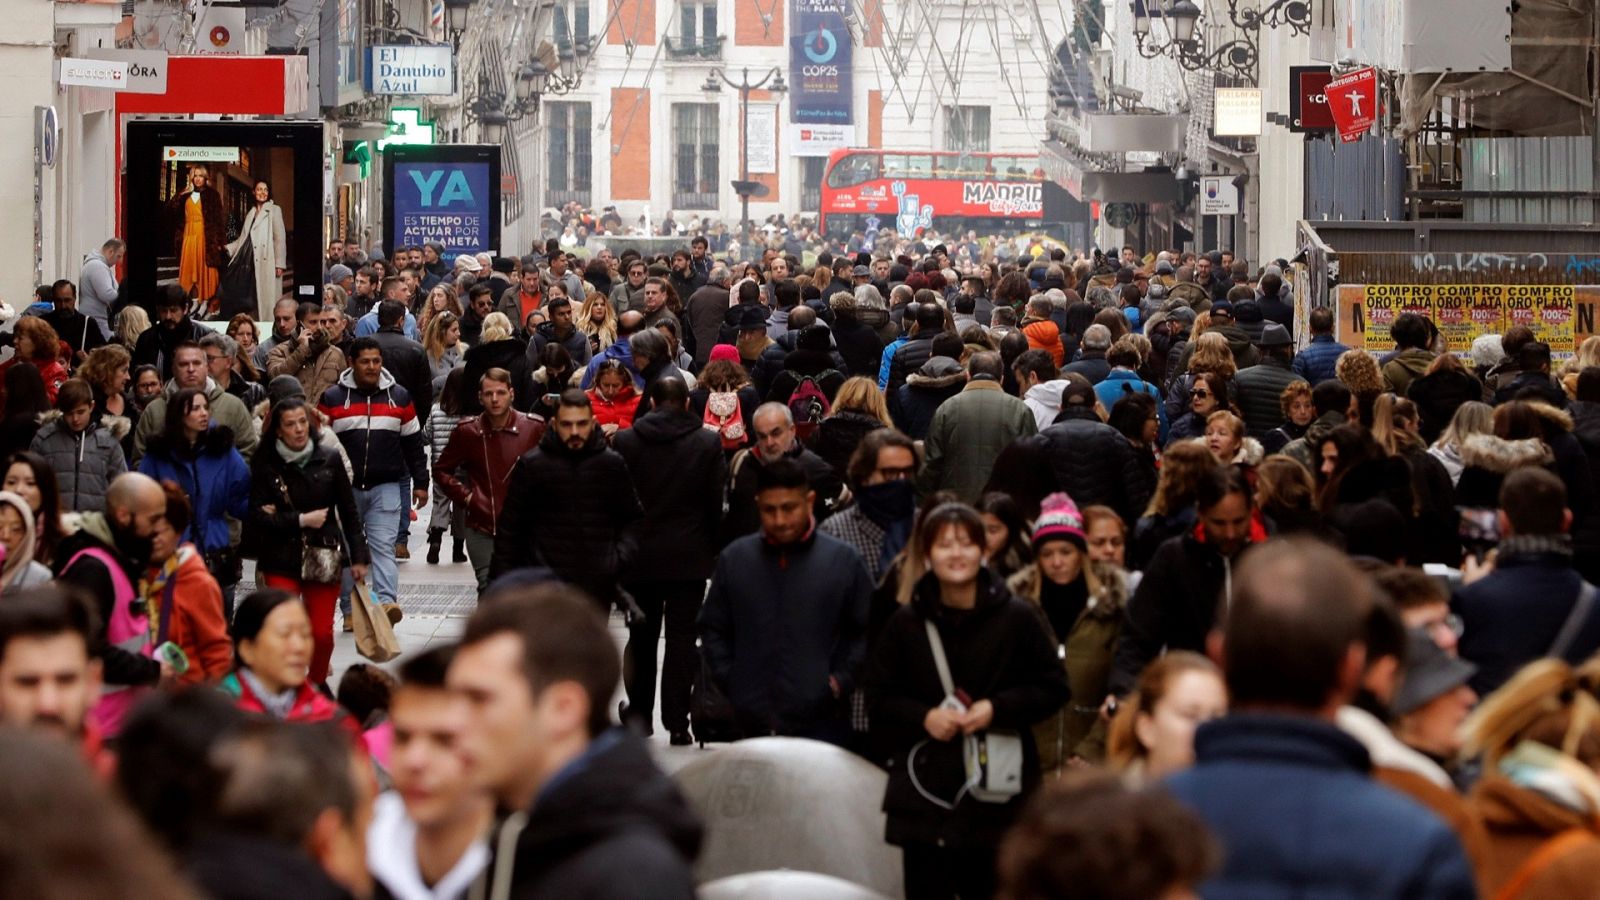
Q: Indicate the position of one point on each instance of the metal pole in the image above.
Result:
(744, 147)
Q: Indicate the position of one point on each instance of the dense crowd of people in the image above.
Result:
(1126, 593)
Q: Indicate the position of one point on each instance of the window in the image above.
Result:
(966, 128)
(695, 142)
(697, 24)
(811, 168)
(571, 156)
(901, 165)
(570, 23)
(854, 169)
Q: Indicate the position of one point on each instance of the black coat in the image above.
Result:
(405, 360)
(1439, 395)
(912, 407)
(1258, 390)
(1092, 365)
(908, 358)
(235, 867)
(1173, 608)
(1539, 384)
(999, 651)
(1095, 464)
(678, 468)
(836, 439)
(570, 510)
(748, 401)
(614, 827)
(277, 540)
(860, 346)
(157, 343)
(510, 354)
(1511, 616)
(1586, 530)
(801, 364)
(778, 622)
(742, 519)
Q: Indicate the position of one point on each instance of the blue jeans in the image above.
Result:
(403, 524)
(380, 510)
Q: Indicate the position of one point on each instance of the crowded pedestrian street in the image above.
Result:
(800, 450)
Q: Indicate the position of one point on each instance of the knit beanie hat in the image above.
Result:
(725, 352)
(1059, 518)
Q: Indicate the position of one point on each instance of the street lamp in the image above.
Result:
(1186, 43)
(493, 110)
(771, 81)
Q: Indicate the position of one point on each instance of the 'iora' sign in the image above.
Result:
(408, 70)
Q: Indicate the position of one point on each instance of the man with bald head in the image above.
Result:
(106, 558)
(775, 439)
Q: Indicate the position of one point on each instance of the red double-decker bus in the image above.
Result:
(914, 190)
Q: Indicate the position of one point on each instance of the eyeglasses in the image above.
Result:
(1201, 394)
(1450, 622)
(214, 358)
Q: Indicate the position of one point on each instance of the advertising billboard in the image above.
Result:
(448, 193)
(229, 212)
(820, 64)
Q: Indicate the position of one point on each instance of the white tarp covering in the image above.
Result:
(1415, 36)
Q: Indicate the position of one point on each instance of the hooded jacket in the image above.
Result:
(323, 483)
(619, 410)
(84, 462)
(196, 622)
(570, 510)
(1095, 464)
(214, 476)
(577, 344)
(858, 343)
(1519, 821)
(226, 410)
(912, 407)
(677, 469)
(1486, 460)
(1405, 367)
(485, 457)
(609, 824)
(778, 623)
(1439, 395)
(1000, 652)
(406, 361)
(316, 367)
(91, 575)
(909, 357)
(1044, 400)
(379, 429)
(392, 857)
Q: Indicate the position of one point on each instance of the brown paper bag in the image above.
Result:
(375, 638)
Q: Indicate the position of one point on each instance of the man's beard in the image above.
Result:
(134, 549)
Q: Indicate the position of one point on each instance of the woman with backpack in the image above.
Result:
(964, 661)
(85, 455)
(725, 400)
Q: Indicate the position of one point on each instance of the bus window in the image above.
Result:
(898, 165)
(853, 170)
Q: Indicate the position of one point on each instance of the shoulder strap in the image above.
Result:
(1581, 608)
(1548, 853)
(939, 662)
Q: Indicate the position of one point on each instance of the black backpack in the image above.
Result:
(711, 717)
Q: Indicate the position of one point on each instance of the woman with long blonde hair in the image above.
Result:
(1171, 511)
(131, 322)
(441, 343)
(858, 409)
(1539, 796)
(597, 318)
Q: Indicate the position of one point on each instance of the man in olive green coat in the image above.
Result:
(970, 429)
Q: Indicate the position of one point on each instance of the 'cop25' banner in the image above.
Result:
(449, 194)
(819, 63)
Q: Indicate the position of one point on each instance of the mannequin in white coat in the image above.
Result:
(263, 225)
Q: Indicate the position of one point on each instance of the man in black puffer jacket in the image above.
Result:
(918, 348)
(677, 467)
(1092, 461)
(404, 358)
(1260, 387)
(570, 506)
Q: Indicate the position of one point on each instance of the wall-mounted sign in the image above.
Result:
(48, 137)
(1353, 100)
(200, 154)
(406, 127)
(1119, 215)
(95, 73)
(410, 70)
(1219, 196)
(820, 140)
(761, 138)
(449, 193)
(1238, 112)
(820, 63)
(1308, 99)
(147, 69)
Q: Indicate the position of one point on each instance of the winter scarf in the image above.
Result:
(297, 458)
(891, 506)
(277, 705)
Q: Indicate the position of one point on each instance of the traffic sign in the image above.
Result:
(1353, 101)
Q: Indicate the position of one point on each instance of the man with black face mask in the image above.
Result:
(173, 326)
(106, 558)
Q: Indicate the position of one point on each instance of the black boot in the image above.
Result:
(458, 551)
(435, 538)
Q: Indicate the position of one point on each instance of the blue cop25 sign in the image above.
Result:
(443, 194)
(820, 63)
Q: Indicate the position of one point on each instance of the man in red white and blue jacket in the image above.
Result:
(375, 421)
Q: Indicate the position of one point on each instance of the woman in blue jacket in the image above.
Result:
(202, 460)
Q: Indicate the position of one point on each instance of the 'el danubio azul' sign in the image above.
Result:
(404, 69)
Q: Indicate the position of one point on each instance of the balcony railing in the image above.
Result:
(695, 48)
(694, 199)
(559, 199)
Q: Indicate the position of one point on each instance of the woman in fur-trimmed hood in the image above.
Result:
(1526, 434)
(1082, 602)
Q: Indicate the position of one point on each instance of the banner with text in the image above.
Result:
(820, 63)
(447, 202)
(1463, 312)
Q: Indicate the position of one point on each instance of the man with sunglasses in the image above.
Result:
(630, 294)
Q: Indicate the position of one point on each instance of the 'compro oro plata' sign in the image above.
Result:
(1560, 315)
